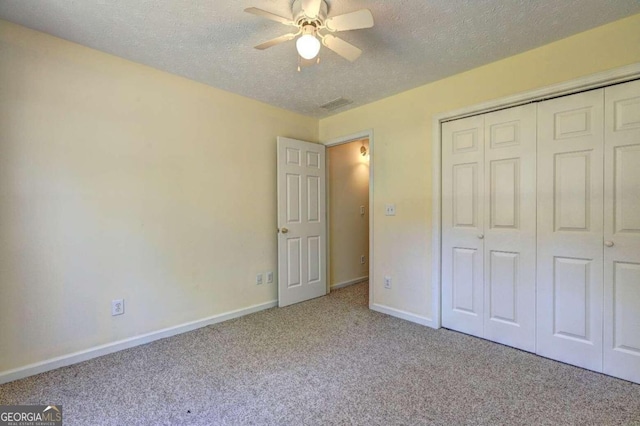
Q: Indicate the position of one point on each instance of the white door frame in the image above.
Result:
(365, 134)
(594, 81)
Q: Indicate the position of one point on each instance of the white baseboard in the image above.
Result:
(350, 282)
(96, 351)
(407, 316)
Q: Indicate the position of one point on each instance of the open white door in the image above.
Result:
(302, 226)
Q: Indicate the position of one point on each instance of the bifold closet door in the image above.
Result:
(462, 224)
(622, 232)
(510, 227)
(570, 229)
(489, 222)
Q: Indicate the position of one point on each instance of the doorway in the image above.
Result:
(348, 211)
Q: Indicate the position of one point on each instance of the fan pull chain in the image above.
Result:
(298, 63)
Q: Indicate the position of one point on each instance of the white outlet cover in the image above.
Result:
(390, 210)
(117, 307)
(387, 282)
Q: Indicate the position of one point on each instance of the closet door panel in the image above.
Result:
(462, 223)
(570, 229)
(622, 232)
(510, 227)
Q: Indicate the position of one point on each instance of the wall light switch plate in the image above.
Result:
(362, 210)
(259, 279)
(390, 210)
(269, 277)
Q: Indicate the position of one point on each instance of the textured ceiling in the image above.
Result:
(414, 42)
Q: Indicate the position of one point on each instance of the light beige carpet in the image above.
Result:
(329, 361)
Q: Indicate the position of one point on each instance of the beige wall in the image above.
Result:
(348, 183)
(402, 137)
(118, 180)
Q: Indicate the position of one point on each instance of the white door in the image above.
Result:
(462, 225)
(302, 226)
(570, 229)
(622, 232)
(510, 227)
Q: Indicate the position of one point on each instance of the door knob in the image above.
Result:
(284, 230)
(481, 236)
(608, 243)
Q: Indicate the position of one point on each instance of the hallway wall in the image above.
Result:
(348, 185)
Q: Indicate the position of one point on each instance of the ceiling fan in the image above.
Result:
(313, 27)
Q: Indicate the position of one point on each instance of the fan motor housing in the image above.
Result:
(301, 19)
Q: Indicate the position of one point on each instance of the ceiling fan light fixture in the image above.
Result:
(308, 46)
(316, 29)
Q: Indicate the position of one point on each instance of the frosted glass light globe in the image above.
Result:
(308, 46)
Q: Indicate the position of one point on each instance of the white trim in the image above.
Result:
(436, 223)
(606, 78)
(349, 282)
(349, 138)
(365, 134)
(407, 316)
(96, 351)
(327, 251)
(594, 81)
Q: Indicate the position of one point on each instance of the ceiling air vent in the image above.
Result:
(335, 104)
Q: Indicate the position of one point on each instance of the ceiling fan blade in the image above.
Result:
(269, 15)
(311, 8)
(350, 21)
(277, 40)
(341, 47)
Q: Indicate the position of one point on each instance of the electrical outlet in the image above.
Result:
(390, 209)
(269, 277)
(259, 279)
(363, 259)
(387, 282)
(117, 307)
